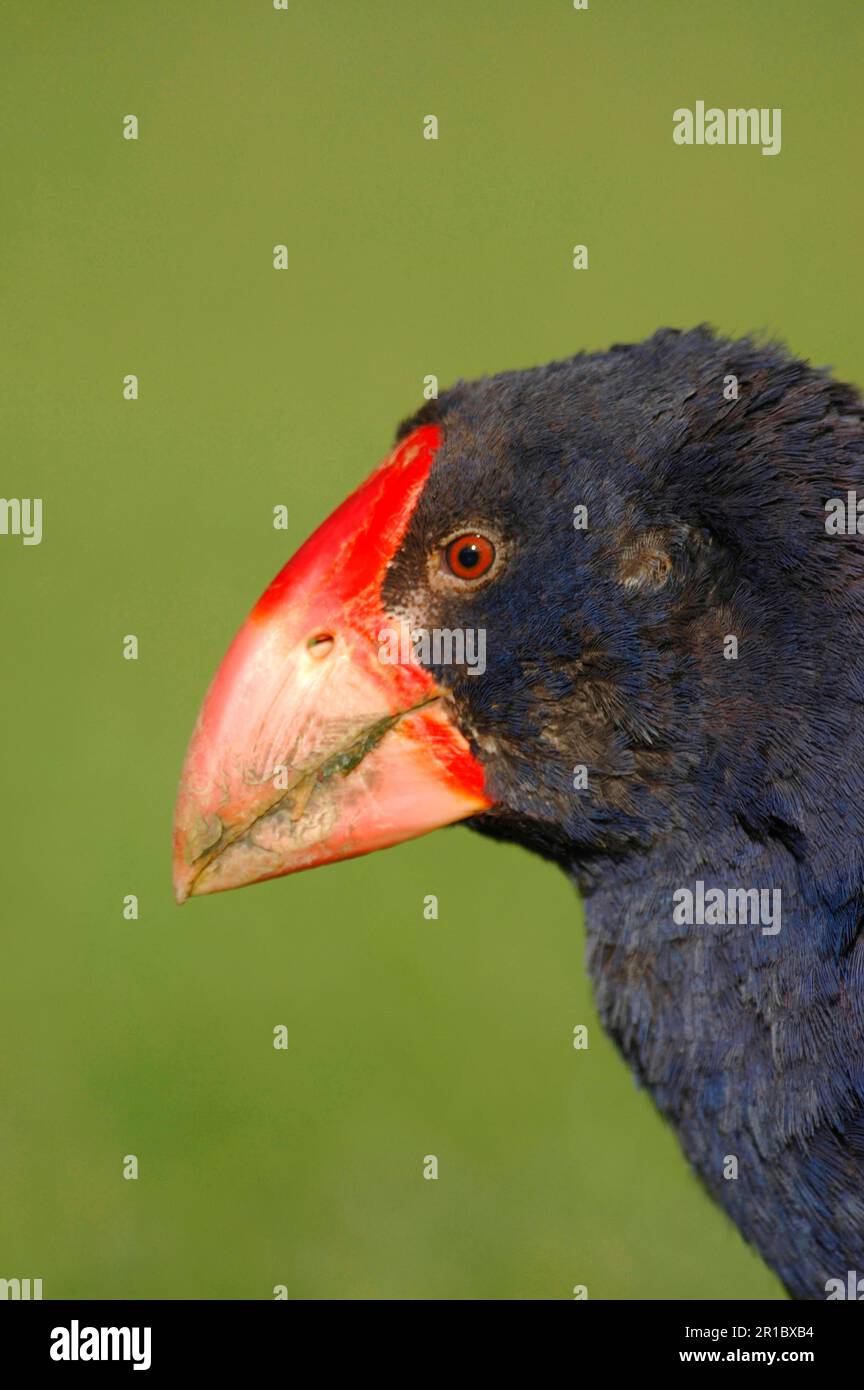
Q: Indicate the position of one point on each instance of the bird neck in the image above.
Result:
(734, 1014)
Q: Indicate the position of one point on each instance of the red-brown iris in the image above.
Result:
(469, 556)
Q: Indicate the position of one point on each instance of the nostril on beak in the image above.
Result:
(320, 646)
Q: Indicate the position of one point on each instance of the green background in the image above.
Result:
(407, 257)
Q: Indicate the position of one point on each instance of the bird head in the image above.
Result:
(522, 619)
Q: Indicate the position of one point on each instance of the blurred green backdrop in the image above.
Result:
(406, 257)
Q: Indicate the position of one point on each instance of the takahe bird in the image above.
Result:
(656, 551)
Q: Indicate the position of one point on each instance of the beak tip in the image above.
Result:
(183, 881)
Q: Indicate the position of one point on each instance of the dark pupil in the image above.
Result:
(468, 557)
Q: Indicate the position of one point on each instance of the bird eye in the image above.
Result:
(469, 557)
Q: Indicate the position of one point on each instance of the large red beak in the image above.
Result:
(309, 747)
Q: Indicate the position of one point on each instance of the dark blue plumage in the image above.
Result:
(605, 649)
